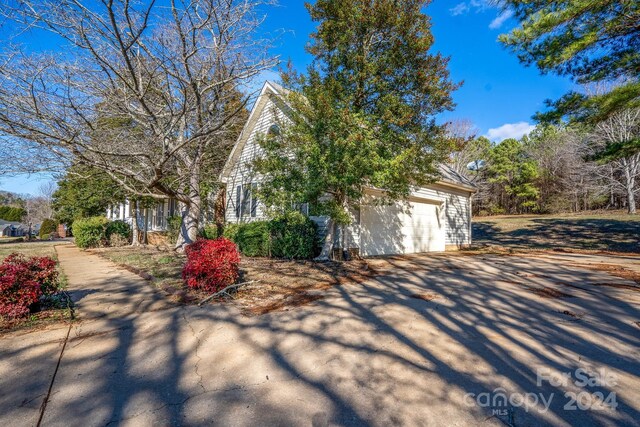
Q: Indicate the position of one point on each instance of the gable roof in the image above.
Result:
(268, 89)
(449, 177)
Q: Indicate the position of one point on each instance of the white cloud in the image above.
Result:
(510, 130)
(500, 19)
(481, 5)
(459, 9)
(472, 5)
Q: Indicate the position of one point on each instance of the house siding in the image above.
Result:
(457, 206)
(241, 173)
(455, 202)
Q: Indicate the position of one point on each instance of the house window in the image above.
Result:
(246, 200)
(274, 130)
(159, 216)
(172, 207)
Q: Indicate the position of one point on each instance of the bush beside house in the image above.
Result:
(98, 231)
(253, 239)
(118, 233)
(291, 235)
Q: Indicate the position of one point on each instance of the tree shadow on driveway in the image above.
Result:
(368, 354)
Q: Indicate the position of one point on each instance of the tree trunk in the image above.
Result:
(632, 201)
(189, 225)
(145, 238)
(135, 237)
(630, 183)
(327, 246)
(219, 212)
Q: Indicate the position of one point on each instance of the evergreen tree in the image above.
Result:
(513, 175)
(84, 192)
(12, 213)
(363, 113)
(590, 41)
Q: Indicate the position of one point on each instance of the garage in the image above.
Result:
(402, 228)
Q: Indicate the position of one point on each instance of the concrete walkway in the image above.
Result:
(370, 354)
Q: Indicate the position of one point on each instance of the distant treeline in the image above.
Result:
(554, 169)
(12, 213)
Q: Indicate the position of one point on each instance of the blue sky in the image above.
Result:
(499, 95)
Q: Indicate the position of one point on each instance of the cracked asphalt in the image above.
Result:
(421, 344)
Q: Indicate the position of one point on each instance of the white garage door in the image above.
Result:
(402, 229)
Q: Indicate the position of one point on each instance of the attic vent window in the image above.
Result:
(274, 130)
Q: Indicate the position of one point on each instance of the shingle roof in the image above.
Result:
(450, 175)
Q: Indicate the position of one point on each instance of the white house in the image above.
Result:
(156, 217)
(434, 218)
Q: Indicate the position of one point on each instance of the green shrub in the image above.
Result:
(90, 232)
(47, 227)
(118, 227)
(210, 232)
(253, 239)
(173, 228)
(231, 231)
(293, 236)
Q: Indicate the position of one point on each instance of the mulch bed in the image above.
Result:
(276, 284)
(282, 284)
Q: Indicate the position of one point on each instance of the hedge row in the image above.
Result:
(291, 236)
(98, 231)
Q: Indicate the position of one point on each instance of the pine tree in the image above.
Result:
(593, 42)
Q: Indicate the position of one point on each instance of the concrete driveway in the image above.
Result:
(433, 340)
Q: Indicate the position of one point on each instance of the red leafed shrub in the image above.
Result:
(23, 281)
(211, 264)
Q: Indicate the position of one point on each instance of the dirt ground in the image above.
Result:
(274, 284)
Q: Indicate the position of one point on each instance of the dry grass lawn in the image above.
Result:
(33, 248)
(596, 231)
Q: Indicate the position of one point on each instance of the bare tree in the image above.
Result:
(611, 137)
(151, 94)
(38, 208)
(467, 150)
(568, 180)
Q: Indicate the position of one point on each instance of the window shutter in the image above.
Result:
(254, 200)
(238, 200)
